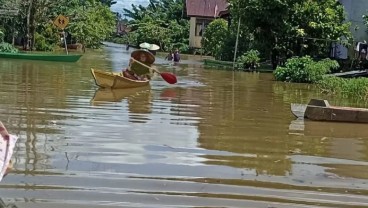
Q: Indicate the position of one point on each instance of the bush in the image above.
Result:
(7, 48)
(304, 69)
(215, 37)
(249, 60)
(41, 43)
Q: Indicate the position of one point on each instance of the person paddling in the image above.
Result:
(137, 71)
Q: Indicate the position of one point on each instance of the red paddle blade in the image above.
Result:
(169, 77)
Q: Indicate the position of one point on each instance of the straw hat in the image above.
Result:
(150, 58)
(145, 45)
(154, 47)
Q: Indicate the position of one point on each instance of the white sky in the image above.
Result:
(127, 4)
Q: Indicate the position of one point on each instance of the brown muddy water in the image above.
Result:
(216, 139)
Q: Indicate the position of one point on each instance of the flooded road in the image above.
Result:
(216, 139)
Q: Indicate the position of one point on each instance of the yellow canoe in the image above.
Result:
(115, 80)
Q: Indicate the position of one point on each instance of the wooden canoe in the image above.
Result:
(115, 80)
(321, 110)
(41, 57)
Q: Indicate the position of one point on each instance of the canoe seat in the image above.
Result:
(318, 102)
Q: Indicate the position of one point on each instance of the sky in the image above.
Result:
(127, 4)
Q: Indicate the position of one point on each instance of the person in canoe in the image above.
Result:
(137, 69)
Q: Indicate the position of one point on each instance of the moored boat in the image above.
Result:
(115, 80)
(41, 57)
(321, 110)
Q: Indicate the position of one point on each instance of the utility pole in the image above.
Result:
(236, 43)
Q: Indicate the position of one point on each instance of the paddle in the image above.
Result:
(167, 76)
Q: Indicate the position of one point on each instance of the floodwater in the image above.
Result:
(215, 139)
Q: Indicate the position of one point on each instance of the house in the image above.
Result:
(201, 13)
(122, 27)
(355, 9)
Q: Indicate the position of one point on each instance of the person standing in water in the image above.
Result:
(170, 56)
(176, 56)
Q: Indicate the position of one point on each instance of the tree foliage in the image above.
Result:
(284, 27)
(214, 37)
(162, 22)
(90, 21)
(91, 25)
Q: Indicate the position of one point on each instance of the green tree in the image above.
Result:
(318, 19)
(214, 37)
(279, 26)
(162, 22)
(365, 19)
(91, 25)
(90, 20)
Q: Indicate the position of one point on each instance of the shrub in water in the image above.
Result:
(250, 60)
(7, 48)
(304, 69)
(357, 87)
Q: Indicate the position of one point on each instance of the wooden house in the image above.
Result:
(201, 13)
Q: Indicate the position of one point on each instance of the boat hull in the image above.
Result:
(41, 57)
(115, 80)
(321, 110)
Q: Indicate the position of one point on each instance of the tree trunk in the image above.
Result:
(32, 32)
(84, 47)
(274, 58)
(29, 13)
(275, 54)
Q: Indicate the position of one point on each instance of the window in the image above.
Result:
(201, 24)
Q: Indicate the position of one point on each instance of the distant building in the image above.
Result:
(121, 27)
(201, 13)
(355, 10)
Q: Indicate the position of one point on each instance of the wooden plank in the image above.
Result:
(298, 110)
(356, 73)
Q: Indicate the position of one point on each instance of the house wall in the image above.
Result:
(195, 39)
(355, 9)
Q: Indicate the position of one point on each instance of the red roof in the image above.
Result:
(205, 8)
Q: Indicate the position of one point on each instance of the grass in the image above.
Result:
(355, 87)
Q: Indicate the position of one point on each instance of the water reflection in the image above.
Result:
(106, 95)
(328, 129)
(4, 205)
(215, 139)
(345, 142)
